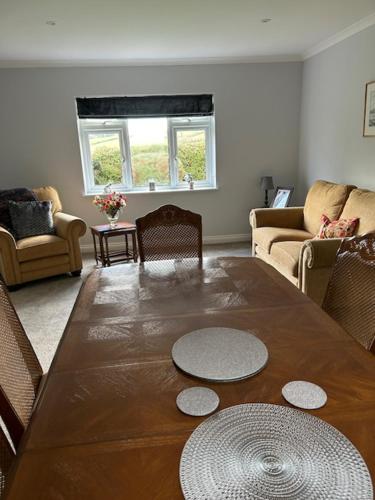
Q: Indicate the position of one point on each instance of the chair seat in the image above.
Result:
(38, 247)
(286, 254)
(267, 236)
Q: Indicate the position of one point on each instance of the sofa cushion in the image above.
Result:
(342, 228)
(31, 218)
(267, 236)
(49, 193)
(324, 198)
(286, 254)
(37, 247)
(16, 194)
(361, 204)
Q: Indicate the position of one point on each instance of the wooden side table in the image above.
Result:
(104, 232)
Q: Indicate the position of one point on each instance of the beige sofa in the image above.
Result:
(45, 255)
(285, 237)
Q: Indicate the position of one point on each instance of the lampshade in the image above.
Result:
(266, 182)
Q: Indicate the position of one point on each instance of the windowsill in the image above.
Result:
(160, 190)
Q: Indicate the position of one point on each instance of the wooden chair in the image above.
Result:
(6, 459)
(350, 296)
(20, 371)
(169, 233)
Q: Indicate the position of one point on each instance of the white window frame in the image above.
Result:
(120, 126)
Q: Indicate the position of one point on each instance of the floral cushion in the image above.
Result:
(342, 228)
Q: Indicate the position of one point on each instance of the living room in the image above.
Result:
(288, 92)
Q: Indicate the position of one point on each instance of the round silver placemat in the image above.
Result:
(304, 395)
(197, 401)
(220, 354)
(270, 452)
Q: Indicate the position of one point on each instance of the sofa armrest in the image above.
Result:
(68, 226)
(290, 217)
(320, 253)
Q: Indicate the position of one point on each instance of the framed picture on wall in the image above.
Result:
(369, 121)
(282, 197)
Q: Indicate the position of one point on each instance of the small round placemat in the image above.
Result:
(197, 401)
(304, 395)
(220, 354)
(266, 452)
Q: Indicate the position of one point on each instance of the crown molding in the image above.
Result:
(351, 30)
(282, 58)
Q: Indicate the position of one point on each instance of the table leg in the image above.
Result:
(134, 243)
(126, 245)
(102, 258)
(95, 249)
(108, 260)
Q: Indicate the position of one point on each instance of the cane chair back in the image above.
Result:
(169, 233)
(6, 459)
(20, 371)
(350, 296)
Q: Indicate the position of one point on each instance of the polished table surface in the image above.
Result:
(106, 425)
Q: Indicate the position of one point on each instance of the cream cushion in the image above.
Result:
(49, 193)
(38, 247)
(361, 204)
(324, 198)
(286, 255)
(267, 236)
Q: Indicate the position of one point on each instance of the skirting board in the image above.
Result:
(207, 240)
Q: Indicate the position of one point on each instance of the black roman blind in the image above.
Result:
(145, 106)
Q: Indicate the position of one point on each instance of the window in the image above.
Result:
(128, 152)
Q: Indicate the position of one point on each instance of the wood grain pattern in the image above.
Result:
(106, 425)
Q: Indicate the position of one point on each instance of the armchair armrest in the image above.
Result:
(68, 226)
(320, 253)
(71, 229)
(6, 238)
(290, 217)
(9, 267)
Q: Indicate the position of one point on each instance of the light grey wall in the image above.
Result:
(257, 132)
(333, 90)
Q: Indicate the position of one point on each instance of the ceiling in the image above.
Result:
(168, 31)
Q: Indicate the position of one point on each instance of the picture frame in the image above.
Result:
(369, 113)
(282, 196)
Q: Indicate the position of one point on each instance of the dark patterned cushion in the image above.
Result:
(17, 194)
(30, 218)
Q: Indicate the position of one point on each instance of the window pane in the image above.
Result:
(149, 150)
(191, 154)
(106, 157)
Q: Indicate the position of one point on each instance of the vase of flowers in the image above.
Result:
(189, 179)
(111, 205)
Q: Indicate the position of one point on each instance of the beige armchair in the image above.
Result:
(44, 255)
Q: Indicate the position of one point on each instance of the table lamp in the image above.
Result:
(266, 183)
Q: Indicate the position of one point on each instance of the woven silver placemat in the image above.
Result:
(271, 452)
(220, 354)
(197, 401)
(304, 395)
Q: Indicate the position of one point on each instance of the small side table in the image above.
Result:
(103, 232)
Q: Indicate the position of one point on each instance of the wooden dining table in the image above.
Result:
(106, 425)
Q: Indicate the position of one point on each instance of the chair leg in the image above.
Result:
(76, 273)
